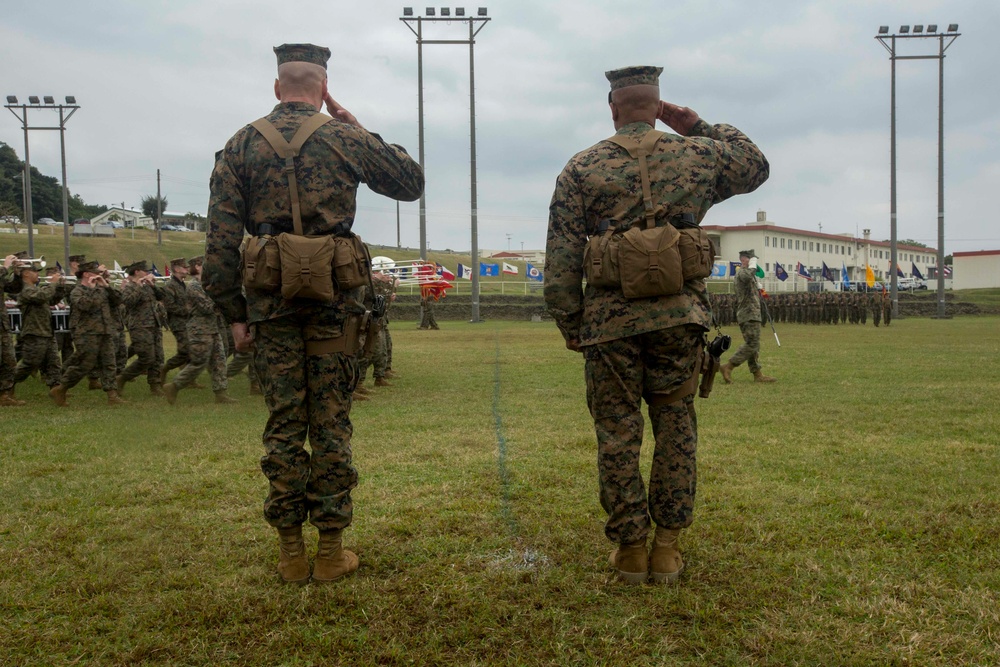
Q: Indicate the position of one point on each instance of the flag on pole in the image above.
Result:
(509, 269)
(947, 271)
(916, 272)
(899, 272)
(734, 267)
(533, 273)
(465, 271)
(843, 275)
(118, 266)
(489, 269)
(780, 272)
(802, 271)
(444, 273)
(155, 272)
(719, 270)
(827, 273)
(869, 276)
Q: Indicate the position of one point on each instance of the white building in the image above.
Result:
(127, 216)
(789, 247)
(973, 270)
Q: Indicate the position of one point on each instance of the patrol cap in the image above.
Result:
(199, 260)
(21, 254)
(88, 267)
(79, 259)
(302, 53)
(180, 261)
(641, 75)
(52, 270)
(747, 253)
(136, 266)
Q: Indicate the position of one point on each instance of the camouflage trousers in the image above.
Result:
(240, 361)
(204, 352)
(308, 396)
(182, 357)
(93, 351)
(38, 353)
(147, 344)
(64, 343)
(620, 374)
(8, 362)
(377, 359)
(750, 349)
(388, 347)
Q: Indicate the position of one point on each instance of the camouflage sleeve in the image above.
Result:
(198, 302)
(84, 299)
(158, 292)
(131, 295)
(564, 248)
(389, 170)
(114, 296)
(30, 296)
(742, 166)
(226, 215)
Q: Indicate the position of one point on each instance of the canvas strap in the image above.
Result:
(289, 150)
(640, 149)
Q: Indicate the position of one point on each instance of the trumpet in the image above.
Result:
(61, 278)
(35, 263)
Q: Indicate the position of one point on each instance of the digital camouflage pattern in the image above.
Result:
(205, 348)
(687, 175)
(175, 302)
(749, 351)
(620, 374)
(144, 330)
(249, 188)
(38, 353)
(8, 362)
(641, 348)
(93, 315)
(308, 396)
(34, 302)
(747, 297)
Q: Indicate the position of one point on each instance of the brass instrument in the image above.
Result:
(35, 263)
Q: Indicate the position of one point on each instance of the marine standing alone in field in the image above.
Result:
(305, 349)
(749, 318)
(642, 348)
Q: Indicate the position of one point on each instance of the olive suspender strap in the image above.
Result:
(289, 150)
(640, 149)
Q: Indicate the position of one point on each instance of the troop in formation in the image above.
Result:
(812, 308)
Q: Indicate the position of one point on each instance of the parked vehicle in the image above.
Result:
(45, 221)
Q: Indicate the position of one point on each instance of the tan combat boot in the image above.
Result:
(115, 399)
(7, 399)
(293, 566)
(156, 390)
(727, 372)
(760, 377)
(382, 382)
(163, 375)
(120, 382)
(93, 384)
(333, 560)
(58, 394)
(197, 385)
(222, 397)
(255, 389)
(170, 391)
(665, 562)
(631, 561)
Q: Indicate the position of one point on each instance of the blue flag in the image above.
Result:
(803, 271)
(843, 275)
(155, 272)
(899, 272)
(780, 272)
(734, 267)
(719, 270)
(534, 273)
(916, 272)
(489, 269)
(827, 273)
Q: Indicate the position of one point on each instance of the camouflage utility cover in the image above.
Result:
(687, 175)
(249, 188)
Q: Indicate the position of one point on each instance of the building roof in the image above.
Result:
(843, 238)
(976, 253)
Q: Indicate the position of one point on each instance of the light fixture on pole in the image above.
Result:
(20, 112)
(476, 23)
(889, 42)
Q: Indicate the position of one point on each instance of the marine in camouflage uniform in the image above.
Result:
(92, 319)
(875, 304)
(749, 318)
(38, 346)
(307, 383)
(9, 282)
(382, 285)
(642, 349)
(204, 340)
(140, 295)
(176, 303)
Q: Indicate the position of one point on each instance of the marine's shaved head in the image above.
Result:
(300, 79)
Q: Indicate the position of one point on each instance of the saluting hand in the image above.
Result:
(339, 112)
(679, 119)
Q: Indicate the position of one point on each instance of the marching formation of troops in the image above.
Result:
(811, 308)
(103, 307)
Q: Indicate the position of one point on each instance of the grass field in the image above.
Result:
(847, 515)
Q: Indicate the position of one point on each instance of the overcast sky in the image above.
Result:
(163, 85)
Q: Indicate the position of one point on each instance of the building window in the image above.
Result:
(766, 242)
(767, 266)
(810, 246)
(782, 243)
(796, 244)
(848, 251)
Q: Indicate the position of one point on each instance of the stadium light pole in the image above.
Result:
(48, 102)
(944, 39)
(476, 23)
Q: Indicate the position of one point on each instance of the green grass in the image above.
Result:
(846, 515)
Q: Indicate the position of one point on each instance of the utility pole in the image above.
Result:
(159, 211)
